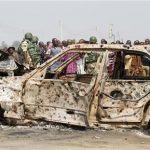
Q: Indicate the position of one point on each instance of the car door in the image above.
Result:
(127, 87)
(60, 97)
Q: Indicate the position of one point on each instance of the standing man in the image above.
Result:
(65, 44)
(54, 51)
(42, 48)
(15, 61)
(128, 42)
(91, 59)
(34, 52)
(93, 40)
(103, 41)
(25, 58)
(47, 55)
(147, 41)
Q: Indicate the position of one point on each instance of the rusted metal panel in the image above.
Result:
(137, 92)
(57, 100)
(10, 89)
(124, 101)
(10, 97)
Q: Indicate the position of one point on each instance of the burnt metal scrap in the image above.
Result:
(127, 101)
(115, 91)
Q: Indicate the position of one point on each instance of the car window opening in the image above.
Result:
(128, 66)
(74, 67)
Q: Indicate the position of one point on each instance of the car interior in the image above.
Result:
(81, 75)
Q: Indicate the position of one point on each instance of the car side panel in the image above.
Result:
(57, 101)
(124, 101)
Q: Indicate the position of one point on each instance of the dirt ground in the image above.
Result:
(60, 138)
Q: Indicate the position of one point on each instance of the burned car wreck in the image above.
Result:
(113, 89)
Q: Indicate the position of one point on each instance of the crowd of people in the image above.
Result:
(32, 52)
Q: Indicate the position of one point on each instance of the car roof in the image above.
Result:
(104, 47)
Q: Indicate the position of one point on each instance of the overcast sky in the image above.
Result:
(80, 19)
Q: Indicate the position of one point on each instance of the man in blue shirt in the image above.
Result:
(54, 51)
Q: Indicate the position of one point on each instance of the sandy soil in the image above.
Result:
(60, 138)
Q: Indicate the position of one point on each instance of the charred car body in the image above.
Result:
(113, 89)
